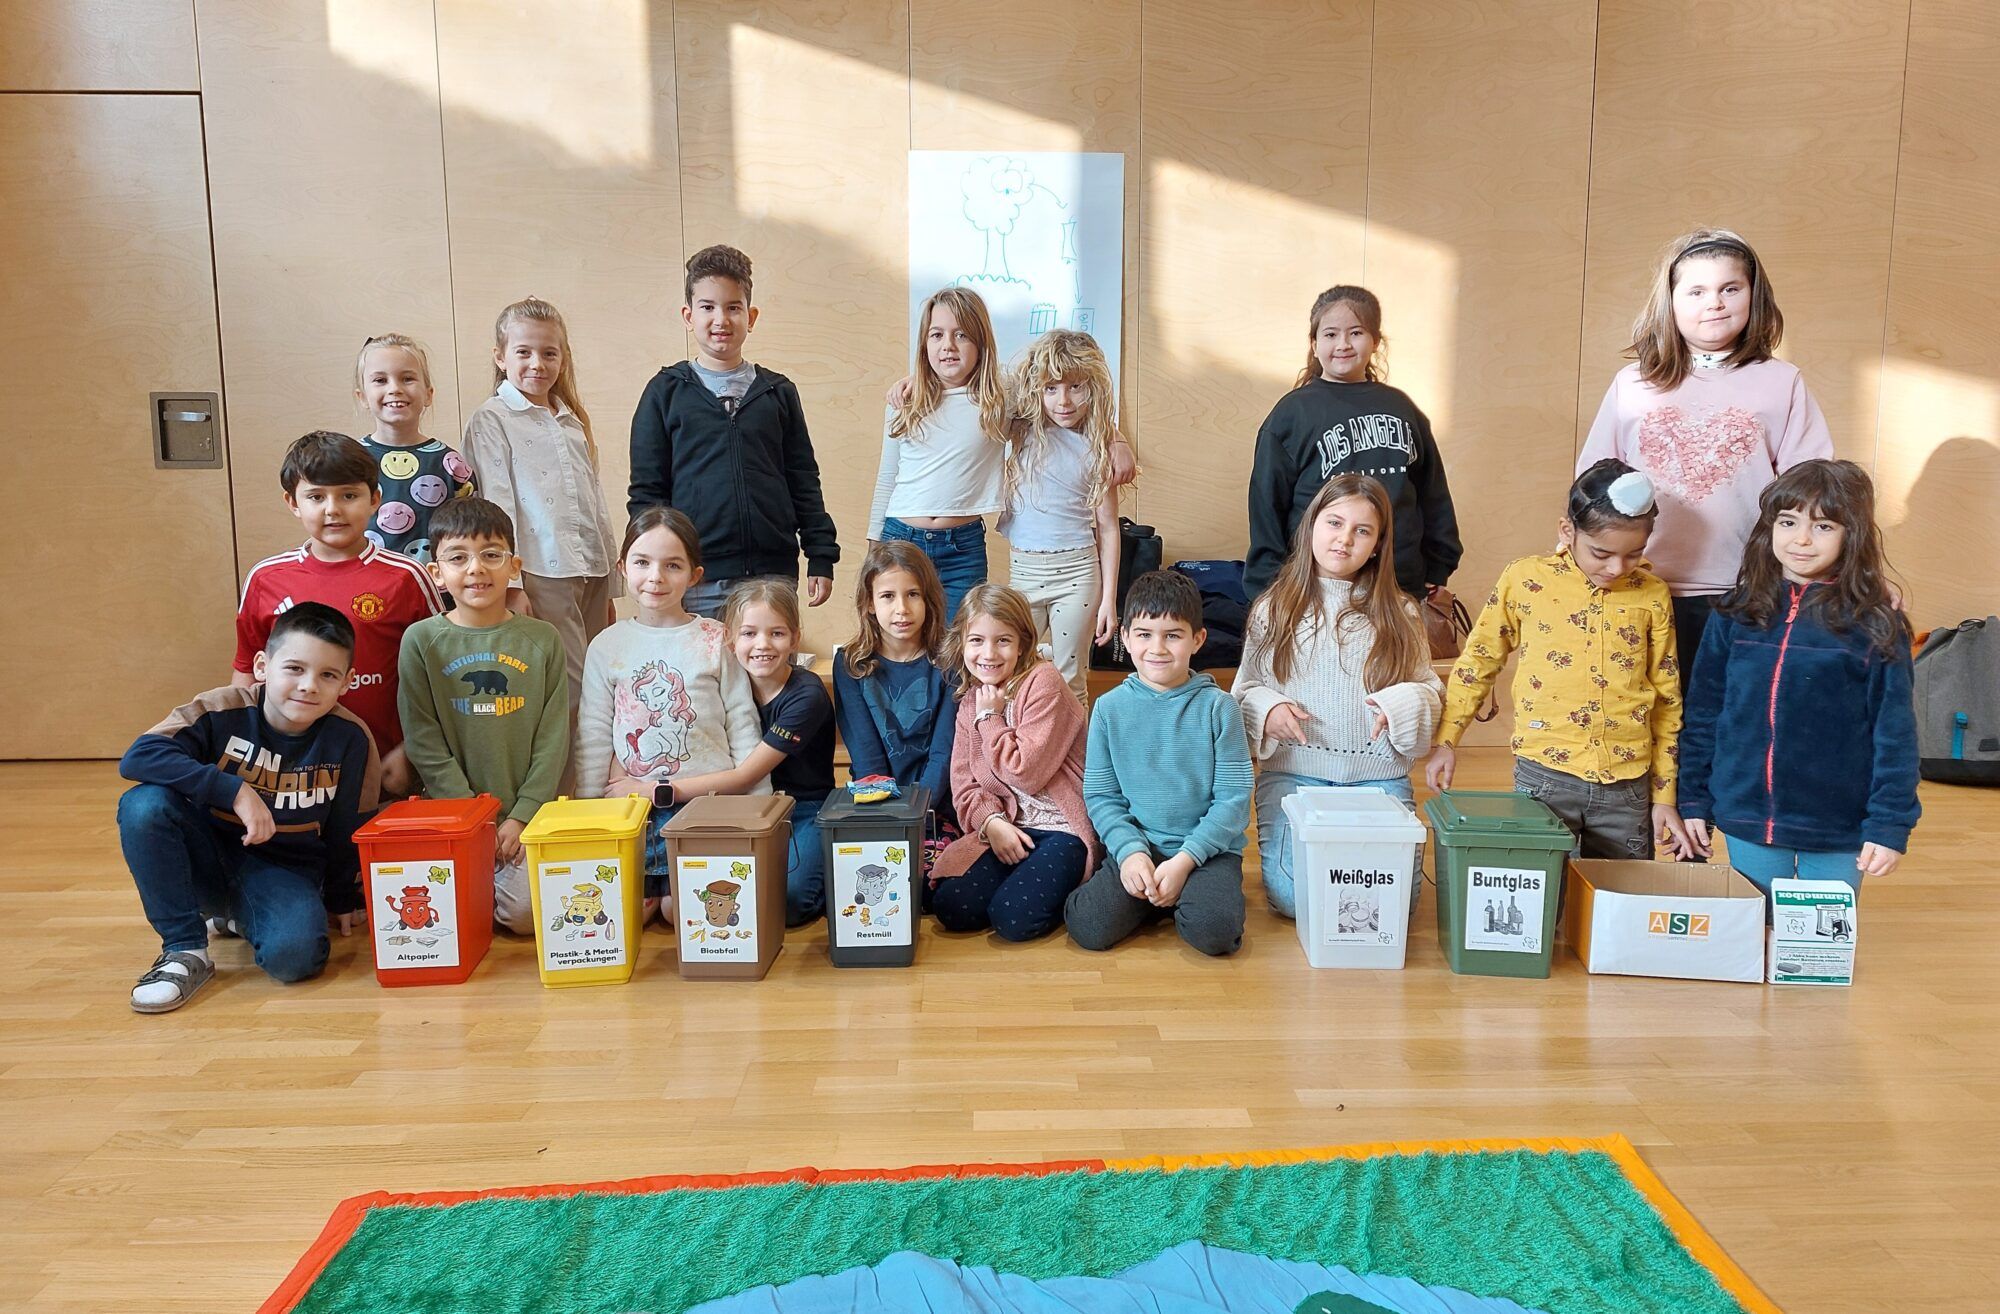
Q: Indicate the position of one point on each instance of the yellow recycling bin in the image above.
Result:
(586, 876)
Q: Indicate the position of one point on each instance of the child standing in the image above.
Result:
(1016, 777)
(725, 441)
(1167, 785)
(484, 693)
(1801, 739)
(796, 714)
(329, 482)
(532, 452)
(1336, 684)
(392, 384)
(1341, 418)
(1597, 701)
(890, 698)
(1061, 516)
(1708, 414)
(666, 713)
(944, 449)
(219, 823)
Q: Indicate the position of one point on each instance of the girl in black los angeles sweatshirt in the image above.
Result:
(1342, 419)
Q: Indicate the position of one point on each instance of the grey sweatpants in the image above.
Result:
(1209, 915)
(1609, 821)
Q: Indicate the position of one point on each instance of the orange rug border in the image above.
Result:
(347, 1216)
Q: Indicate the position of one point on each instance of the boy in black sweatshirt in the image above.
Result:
(246, 805)
(725, 441)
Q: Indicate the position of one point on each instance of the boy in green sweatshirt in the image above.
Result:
(1166, 781)
(484, 694)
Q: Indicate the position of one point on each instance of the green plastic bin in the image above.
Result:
(1500, 859)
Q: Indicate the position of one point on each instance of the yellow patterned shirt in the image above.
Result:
(1597, 694)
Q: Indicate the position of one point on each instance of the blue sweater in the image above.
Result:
(898, 722)
(1168, 772)
(1800, 737)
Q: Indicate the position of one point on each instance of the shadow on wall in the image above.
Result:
(1949, 536)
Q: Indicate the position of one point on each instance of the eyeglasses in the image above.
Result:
(491, 558)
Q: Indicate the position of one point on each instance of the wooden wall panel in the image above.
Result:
(1255, 176)
(1475, 246)
(560, 147)
(99, 45)
(327, 188)
(1777, 120)
(1938, 461)
(114, 564)
(794, 121)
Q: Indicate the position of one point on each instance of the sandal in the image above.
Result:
(198, 970)
(227, 928)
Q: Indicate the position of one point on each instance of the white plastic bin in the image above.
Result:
(1353, 862)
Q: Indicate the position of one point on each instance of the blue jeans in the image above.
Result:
(1274, 833)
(1020, 901)
(186, 867)
(709, 597)
(1764, 863)
(805, 877)
(959, 555)
(659, 871)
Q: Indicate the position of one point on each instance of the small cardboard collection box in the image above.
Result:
(1698, 922)
(1813, 928)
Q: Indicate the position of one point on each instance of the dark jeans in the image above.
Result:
(958, 553)
(187, 867)
(1690, 619)
(1021, 901)
(1609, 821)
(1209, 915)
(805, 877)
(709, 597)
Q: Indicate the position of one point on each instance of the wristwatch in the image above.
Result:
(663, 794)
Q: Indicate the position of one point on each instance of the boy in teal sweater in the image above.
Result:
(1167, 783)
(484, 694)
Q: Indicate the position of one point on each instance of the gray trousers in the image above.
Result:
(1609, 821)
(1209, 916)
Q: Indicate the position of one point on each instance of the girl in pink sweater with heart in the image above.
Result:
(1709, 415)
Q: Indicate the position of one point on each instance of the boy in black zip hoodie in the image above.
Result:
(725, 441)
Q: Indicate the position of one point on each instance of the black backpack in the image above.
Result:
(1140, 549)
(1958, 704)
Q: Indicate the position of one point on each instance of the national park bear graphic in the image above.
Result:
(486, 682)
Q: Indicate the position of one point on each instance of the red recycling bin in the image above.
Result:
(427, 868)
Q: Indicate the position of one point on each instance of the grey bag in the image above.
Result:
(1958, 704)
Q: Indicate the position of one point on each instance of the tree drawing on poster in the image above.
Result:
(1040, 235)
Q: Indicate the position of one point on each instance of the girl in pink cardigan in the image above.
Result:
(1016, 777)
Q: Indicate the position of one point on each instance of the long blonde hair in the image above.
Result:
(401, 342)
(1368, 309)
(1400, 651)
(1061, 356)
(893, 554)
(565, 388)
(1009, 608)
(1663, 356)
(987, 388)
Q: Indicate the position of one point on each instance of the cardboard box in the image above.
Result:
(1688, 920)
(1813, 929)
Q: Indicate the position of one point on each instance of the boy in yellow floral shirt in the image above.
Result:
(1597, 698)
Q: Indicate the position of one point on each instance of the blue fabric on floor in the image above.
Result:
(1192, 1278)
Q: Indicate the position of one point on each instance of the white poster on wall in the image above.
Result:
(1040, 235)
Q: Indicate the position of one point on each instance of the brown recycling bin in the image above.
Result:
(728, 856)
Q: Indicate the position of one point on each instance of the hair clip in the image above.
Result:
(1631, 494)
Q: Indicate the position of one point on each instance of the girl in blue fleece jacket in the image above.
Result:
(1800, 740)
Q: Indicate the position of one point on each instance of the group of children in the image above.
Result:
(1714, 619)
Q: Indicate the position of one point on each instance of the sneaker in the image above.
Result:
(171, 982)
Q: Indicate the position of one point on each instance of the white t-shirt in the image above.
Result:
(1054, 513)
(948, 467)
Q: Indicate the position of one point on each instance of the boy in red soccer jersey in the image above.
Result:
(330, 485)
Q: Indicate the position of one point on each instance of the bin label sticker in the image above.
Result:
(715, 899)
(868, 895)
(1364, 906)
(583, 910)
(1503, 909)
(1813, 929)
(417, 924)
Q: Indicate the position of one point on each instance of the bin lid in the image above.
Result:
(1320, 813)
(586, 818)
(731, 814)
(446, 818)
(1497, 817)
(910, 808)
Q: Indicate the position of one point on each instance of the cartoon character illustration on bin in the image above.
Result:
(583, 914)
(653, 721)
(414, 911)
(719, 903)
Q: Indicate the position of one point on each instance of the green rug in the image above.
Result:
(1566, 1227)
